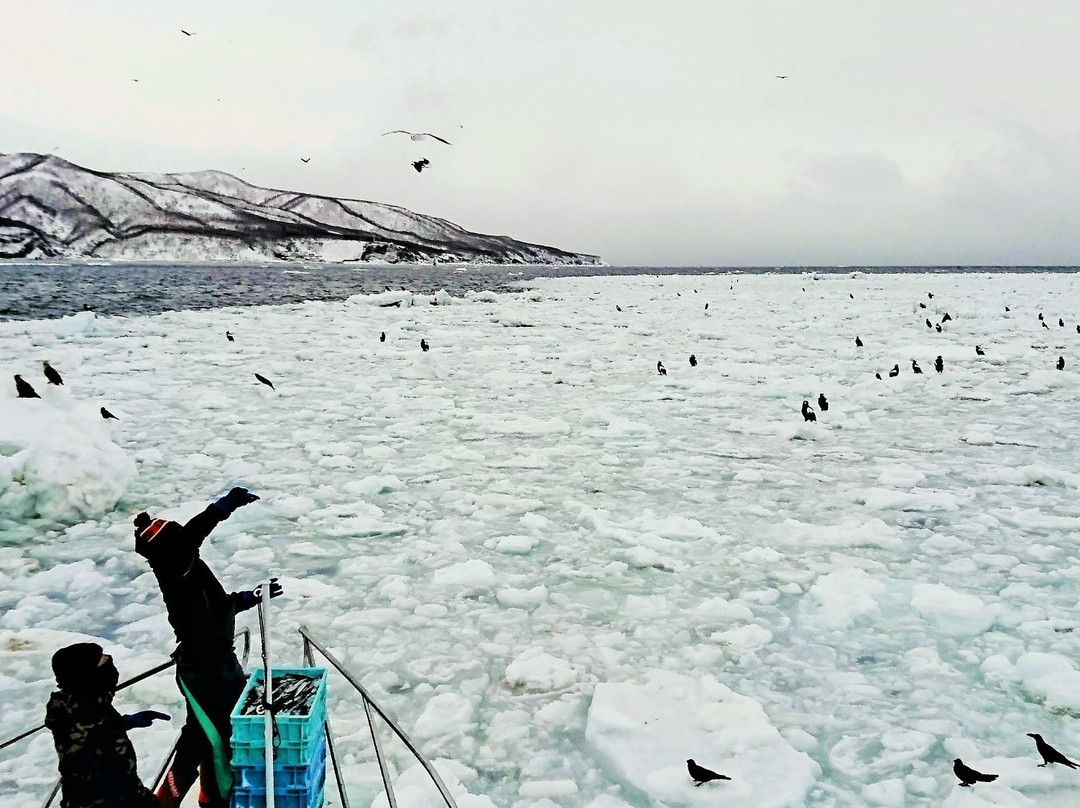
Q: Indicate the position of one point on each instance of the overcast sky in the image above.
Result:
(651, 132)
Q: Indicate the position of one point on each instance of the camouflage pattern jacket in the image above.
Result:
(97, 761)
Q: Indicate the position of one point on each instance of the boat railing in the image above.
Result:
(371, 708)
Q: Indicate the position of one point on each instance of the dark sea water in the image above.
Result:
(36, 290)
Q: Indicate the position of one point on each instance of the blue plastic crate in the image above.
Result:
(298, 736)
(248, 798)
(285, 777)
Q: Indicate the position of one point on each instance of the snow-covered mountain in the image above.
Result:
(52, 208)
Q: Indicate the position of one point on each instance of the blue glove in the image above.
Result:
(143, 719)
(252, 597)
(236, 498)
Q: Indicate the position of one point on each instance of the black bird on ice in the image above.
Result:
(382, 336)
(1049, 753)
(928, 323)
(808, 413)
(1061, 363)
(822, 402)
(424, 345)
(107, 415)
(693, 361)
(417, 137)
(23, 389)
(966, 775)
(51, 374)
(979, 350)
(229, 336)
(858, 342)
(420, 165)
(264, 380)
(939, 365)
(661, 369)
(915, 367)
(702, 775)
(894, 372)
(1061, 323)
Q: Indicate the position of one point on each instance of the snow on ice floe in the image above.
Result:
(646, 732)
(58, 460)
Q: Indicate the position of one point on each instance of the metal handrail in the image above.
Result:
(309, 660)
(244, 632)
(369, 704)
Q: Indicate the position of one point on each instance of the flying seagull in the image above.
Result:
(305, 159)
(420, 165)
(186, 33)
(265, 380)
(417, 137)
(781, 77)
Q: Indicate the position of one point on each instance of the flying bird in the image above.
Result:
(264, 380)
(417, 137)
(51, 374)
(700, 774)
(107, 415)
(808, 413)
(661, 369)
(822, 402)
(424, 345)
(305, 159)
(693, 361)
(781, 77)
(23, 389)
(967, 775)
(229, 336)
(1049, 753)
(421, 164)
(186, 33)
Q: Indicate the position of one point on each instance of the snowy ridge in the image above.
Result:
(52, 208)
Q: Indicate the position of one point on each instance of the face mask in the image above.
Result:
(106, 677)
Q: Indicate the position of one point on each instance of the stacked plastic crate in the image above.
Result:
(299, 747)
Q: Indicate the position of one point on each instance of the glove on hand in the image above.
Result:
(252, 597)
(236, 498)
(143, 719)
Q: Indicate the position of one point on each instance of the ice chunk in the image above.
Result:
(952, 612)
(647, 731)
(535, 670)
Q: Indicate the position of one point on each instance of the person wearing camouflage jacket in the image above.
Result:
(98, 768)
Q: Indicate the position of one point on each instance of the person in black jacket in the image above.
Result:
(97, 762)
(203, 616)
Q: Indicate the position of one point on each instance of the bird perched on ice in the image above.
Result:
(1061, 363)
(700, 774)
(1049, 753)
(264, 380)
(939, 364)
(967, 775)
(424, 345)
(107, 415)
(417, 137)
(915, 367)
(928, 323)
(895, 371)
(23, 388)
(1044, 325)
(938, 327)
(1040, 315)
(1061, 323)
(822, 402)
(930, 295)
(877, 376)
(693, 361)
(661, 369)
(858, 342)
(382, 336)
(947, 318)
(421, 164)
(51, 374)
(808, 413)
(979, 350)
(229, 336)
